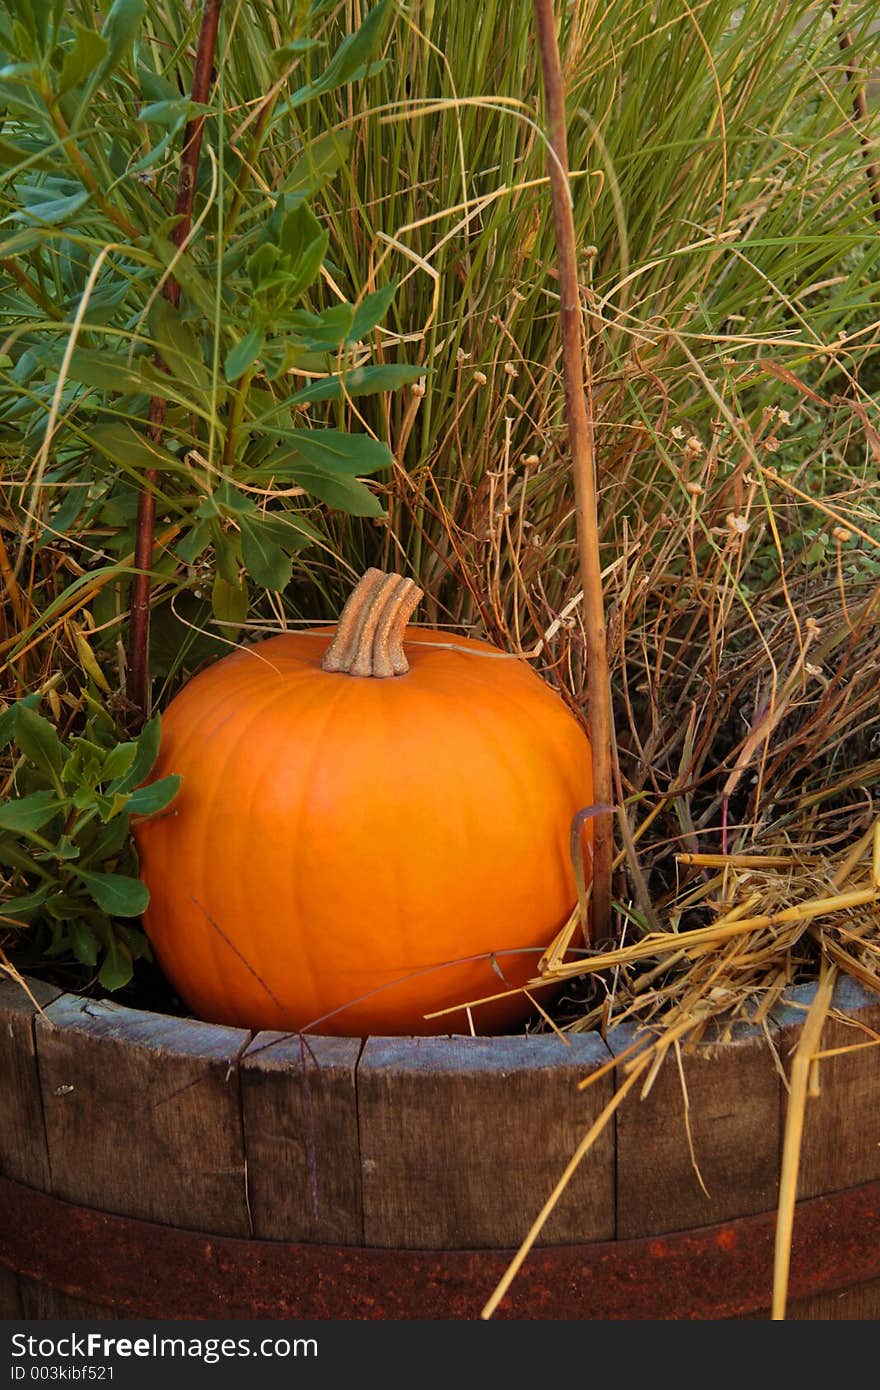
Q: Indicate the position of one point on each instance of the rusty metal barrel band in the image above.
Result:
(143, 1269)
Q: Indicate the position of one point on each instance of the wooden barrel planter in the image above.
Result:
(163, 1168)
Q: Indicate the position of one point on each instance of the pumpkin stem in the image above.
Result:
(369, 635)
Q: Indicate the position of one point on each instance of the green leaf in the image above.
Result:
(229, 603)
(147, 752)
(178, 344)
(111, 840)
(306, 246)
(25, 27)
(119, 30)
(345, 493)
(292, 49)
(186, 273)
(262, 266)
(22, 909)
(150, 158)
(324, 332)
(81, 775)
(231, 501)
(227, 554)
(118, 761)
(110, 806)
(244, 354)
(82, 59)
(289, 531)
(12, 155)
(83, 942)
(9, 716)
(308, 534)
(14, 857)
(371, 310)
(299, 229)
(19, 89)
(50, 211)
(123, 446)
(333, 451)
(195, 542)
(263, 557)
(347, 63)
(319, 162)
(39, 742)
(29, 812)
(155, 796)
(282, 270)
(120, 505)
(116, 967)
(63, 908)
(817, 552)
(107, 370)
(155, 382)
(361, 381)
(154, 87)
(135, 939)
(117, 894)
(58, 906)
(65, 849)
(173, 111)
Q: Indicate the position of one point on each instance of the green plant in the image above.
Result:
(225, 402)
(65, 835)
(240, 468)
(729, 260)
(726, 234)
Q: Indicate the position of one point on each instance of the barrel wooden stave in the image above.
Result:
(386, 1132)
(143, 1114)
(23, 1153)
(841, 1123)
(463, 1139)
(300, 1122)
(703, 1145)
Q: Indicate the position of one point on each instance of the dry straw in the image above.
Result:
(734, 970)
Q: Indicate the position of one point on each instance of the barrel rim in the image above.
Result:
(851, 997)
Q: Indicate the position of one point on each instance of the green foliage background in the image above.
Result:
(365, 368)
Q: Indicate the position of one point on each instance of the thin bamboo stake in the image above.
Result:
(137, 676)
(579, 414)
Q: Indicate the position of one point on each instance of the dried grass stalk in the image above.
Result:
(579, 412)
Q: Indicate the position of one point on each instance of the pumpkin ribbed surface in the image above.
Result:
(341, 849)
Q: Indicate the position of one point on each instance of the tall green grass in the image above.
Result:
(729, 256)
(725, 220)
(730, 271)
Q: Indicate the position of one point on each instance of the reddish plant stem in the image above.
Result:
(138, 675)
(860, 111)
(579, 411)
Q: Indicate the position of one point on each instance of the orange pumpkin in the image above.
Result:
(363, 836)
